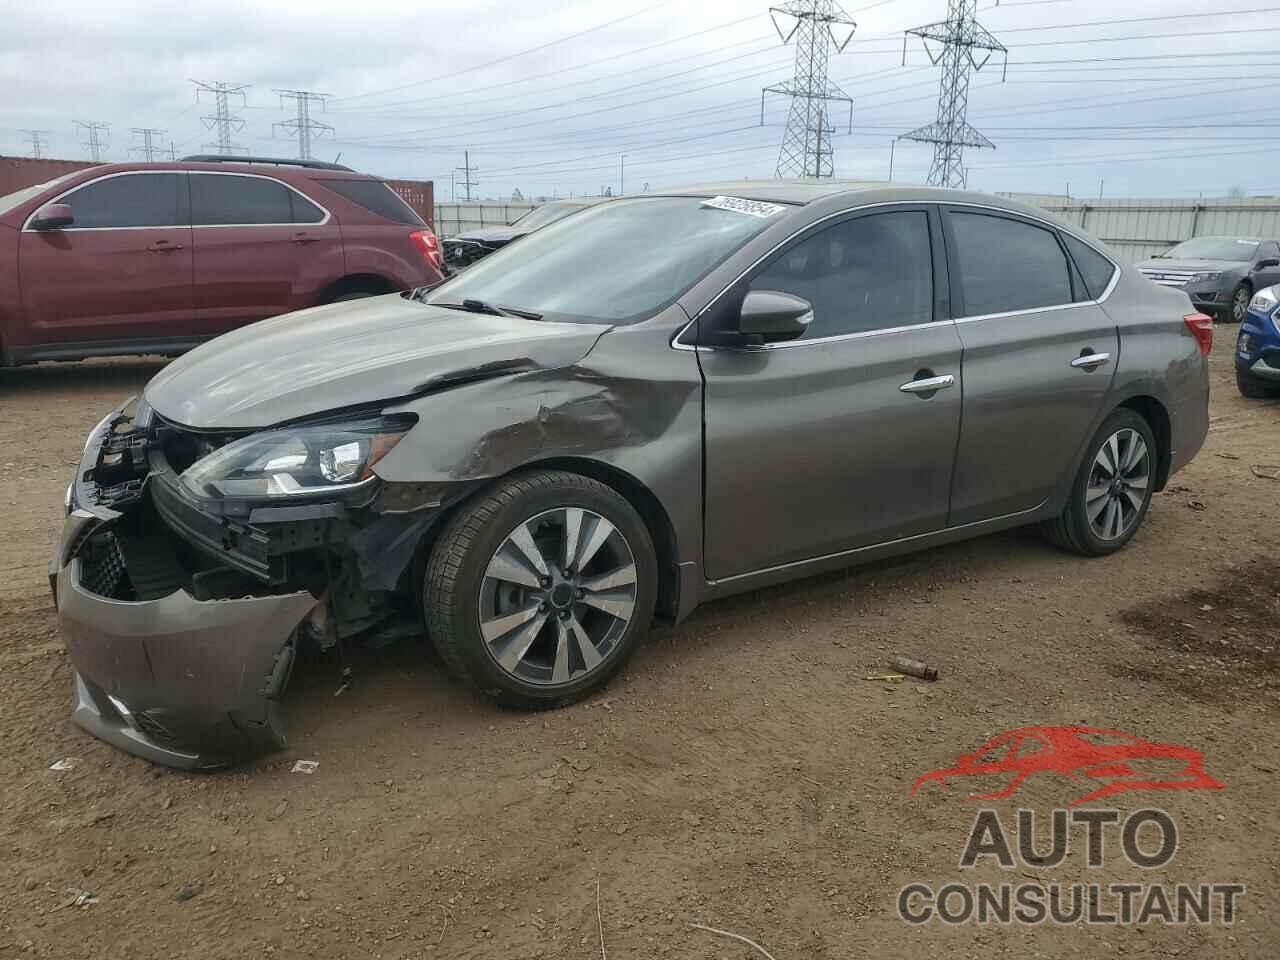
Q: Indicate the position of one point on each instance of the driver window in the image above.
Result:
(868, 273)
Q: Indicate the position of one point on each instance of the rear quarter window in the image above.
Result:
(1096, 269)
(376, 197)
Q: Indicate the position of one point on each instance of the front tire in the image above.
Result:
(540, 590)
(1239, 307)
(1112, 489)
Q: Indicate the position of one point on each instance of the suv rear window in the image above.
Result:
(220, 199)
(376, 197)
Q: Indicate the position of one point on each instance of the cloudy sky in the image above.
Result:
(1144, 98)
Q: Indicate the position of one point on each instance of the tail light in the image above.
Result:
(428, 246)
(1201, 328)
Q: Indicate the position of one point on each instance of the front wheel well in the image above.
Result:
(368, 283)
(1154, 412)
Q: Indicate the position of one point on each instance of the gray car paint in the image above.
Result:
(790, 480)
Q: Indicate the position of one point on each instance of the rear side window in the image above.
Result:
(132, 200)
(1008, 265)
(869, 273)
(376, 197)
(227, 199)
(1096, 269)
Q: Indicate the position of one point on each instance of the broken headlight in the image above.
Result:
(296, 461)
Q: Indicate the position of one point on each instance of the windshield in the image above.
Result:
(1213, 248)
(547, 213)
(11, 200)
(619, 262)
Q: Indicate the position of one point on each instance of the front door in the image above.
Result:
(1039, 356)
(120, 272)
(813, 447)
(258, 243)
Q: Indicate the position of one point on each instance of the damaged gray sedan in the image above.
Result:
(659, 401)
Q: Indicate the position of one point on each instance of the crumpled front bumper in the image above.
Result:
(179, 681)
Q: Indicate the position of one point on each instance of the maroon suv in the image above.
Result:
(154, 258)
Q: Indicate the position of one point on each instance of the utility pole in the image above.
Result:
(302, 125)
(960, 35)
(36, 139)
(148, 149)
(94, 144)
(467, 170)
(892, 145)
(222, 120)
(817, 23)
(622, 174)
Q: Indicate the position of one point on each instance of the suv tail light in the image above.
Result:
(428, 246)
(1201, 328)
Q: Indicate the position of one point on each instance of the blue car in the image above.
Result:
(1258, 346)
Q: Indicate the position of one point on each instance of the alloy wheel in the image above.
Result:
(557, 596)
(1118, 484)
(1240, 305)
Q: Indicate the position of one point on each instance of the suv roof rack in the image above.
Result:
(279, 162)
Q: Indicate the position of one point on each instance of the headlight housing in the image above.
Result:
(300, 461)
(1202, 277)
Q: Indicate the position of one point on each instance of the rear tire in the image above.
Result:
(540, 590)
(1112, 489)
(1253, 388)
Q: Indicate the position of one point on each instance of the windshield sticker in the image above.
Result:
(752, 208)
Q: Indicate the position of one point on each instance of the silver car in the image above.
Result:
(656, 402)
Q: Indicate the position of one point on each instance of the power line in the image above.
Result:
(94, 144)
(148, 149)
(302, 125)
(506, 59)
(36, 139)
(805, 151)
(222, 119)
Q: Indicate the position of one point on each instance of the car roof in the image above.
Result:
(282, 169)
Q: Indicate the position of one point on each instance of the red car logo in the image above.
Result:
(1076, 752)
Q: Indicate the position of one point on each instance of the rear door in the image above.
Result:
(120, 272)
(261, 249)
(813, 446)
(1039, 355)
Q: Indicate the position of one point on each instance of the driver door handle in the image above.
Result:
(305, 238)
(164, 246)
(929, 384)
(1091, 361)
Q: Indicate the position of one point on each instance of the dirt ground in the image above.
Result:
(740, 774)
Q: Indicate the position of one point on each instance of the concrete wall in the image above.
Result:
(455, 218)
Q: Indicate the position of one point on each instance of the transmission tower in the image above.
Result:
(806, 146)
(302, 125)
(94, 144)
(147, 148)
(36, 139)
(961, 38)
(222, 120)
(466, 171)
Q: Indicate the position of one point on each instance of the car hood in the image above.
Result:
(492, 235)
(345, 354)
(1192, 265)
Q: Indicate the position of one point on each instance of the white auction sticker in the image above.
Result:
(752, 208)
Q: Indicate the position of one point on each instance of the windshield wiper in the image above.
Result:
(479, 306)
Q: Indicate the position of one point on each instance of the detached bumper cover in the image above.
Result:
(180, 681)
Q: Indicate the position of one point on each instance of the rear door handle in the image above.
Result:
(305, 238)
(929, 384)
(164, 246)
(1090, 361)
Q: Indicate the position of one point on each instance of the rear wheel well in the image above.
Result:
(367, 283)
(1153, 411)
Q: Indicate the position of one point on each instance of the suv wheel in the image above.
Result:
(1112, 489)
(540, 590)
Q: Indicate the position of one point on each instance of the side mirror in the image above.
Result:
(53, 216)
(768, 316)
(1267, 264)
